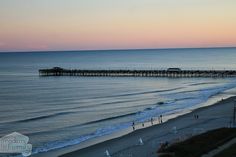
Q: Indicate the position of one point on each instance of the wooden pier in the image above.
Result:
(171, 72)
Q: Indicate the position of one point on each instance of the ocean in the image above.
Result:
(57, 112)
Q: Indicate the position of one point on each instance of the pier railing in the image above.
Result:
(57, 71)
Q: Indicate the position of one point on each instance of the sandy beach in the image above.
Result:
(182, 127)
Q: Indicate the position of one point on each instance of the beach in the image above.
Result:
(209, 117)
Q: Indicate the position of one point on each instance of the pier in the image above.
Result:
(171, 72)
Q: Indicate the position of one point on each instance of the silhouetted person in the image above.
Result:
(152, 121)
(133, 125)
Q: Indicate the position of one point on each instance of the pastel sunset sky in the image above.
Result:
(38, 25)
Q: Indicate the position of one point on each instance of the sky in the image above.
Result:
(45, 25)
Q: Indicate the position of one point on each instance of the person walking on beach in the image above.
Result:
(152, 121)
(161, 119)
(196, 116)
(133, 125)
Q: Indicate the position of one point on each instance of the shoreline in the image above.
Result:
(127, 139)
(129, 144)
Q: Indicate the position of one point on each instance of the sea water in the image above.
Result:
(57, 112)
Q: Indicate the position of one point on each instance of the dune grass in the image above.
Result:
(201, 144)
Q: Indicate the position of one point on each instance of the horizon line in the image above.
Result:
(130, 49)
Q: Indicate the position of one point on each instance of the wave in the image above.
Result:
(220, 88)
(203, 83)
(144, 115)
(116, 117)
(183, 101)
(139, 93)
(126, 115)
(41, 117)
(71, 112)
(111, 118)
(112, 102)
(170, 106)
(61, 144)
(98, 133)
(186, 98)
